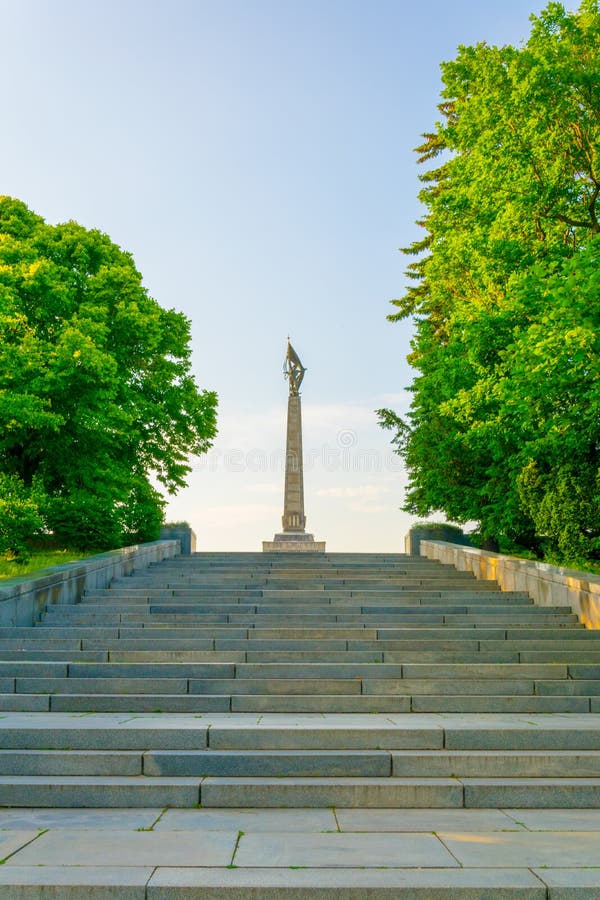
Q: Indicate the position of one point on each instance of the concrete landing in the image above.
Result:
(166, 854)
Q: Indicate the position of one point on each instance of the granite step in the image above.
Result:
(495, 763)
(201, 763)
(195, 703)
(174, 605)
(430, 703)
(366, 668)
(397, 792)
(306, 881)
(97, 791)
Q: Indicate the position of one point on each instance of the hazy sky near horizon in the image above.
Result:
(255, 156)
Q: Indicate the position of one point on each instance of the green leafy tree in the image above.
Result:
(504, 422)
(20, 517)
(96, 395)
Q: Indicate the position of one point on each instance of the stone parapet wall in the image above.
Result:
(182, 533)
(429, 532)
(547, 585)
(22, 600)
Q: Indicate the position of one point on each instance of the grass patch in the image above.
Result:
(39, 559)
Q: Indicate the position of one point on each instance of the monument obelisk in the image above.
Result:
(293, 537)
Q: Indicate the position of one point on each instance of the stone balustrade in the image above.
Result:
(547, 585)
(22, 600)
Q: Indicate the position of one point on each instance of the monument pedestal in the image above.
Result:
(294, 542)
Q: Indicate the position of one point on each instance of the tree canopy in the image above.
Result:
(505, 417)
(97, 400)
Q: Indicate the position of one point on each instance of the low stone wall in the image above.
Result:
(428, 532)
(22, 600)
(182, 533)
(547, 585)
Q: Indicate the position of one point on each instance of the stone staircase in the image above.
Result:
(321, 680)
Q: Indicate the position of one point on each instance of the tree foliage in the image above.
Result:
(504, 422)
(96, 395)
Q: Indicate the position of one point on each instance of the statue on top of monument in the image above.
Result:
(293, 370)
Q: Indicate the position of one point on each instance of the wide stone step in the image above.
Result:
(305, 881)
(222, 763)
(143, 791)
(202, 624)
(330, 686)
(104, 685)
(296, 703)
(185, 656)
(371, 685)
(581, 687)
(568, 655)
(458, 703)
(322, 583)
(371, 656)
(199, 703)
(169, 670)
(282, 732)
(432, 703)
(48, 732)
(97, 791)
(175, 606)
(414, 733)
(258, 763)
(402, 792)
(146, 596)
(71, 762)
(54, 655)
(495, 763)
(409, 671)
(131, 703)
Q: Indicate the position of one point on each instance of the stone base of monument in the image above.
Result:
(294, 542)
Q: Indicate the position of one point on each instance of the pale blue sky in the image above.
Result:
(256, 158)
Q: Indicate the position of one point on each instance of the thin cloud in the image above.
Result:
(359, 490)
(265, 488)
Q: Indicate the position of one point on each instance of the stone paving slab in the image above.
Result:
(520, 849)
(10, 841)
(248, 820)
(63, 847)
(316, 850)
(79, 818)
(344, 884)
(556, 819)
(382, 820)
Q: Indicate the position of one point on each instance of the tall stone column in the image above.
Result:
(293, 518)
(293, 522)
